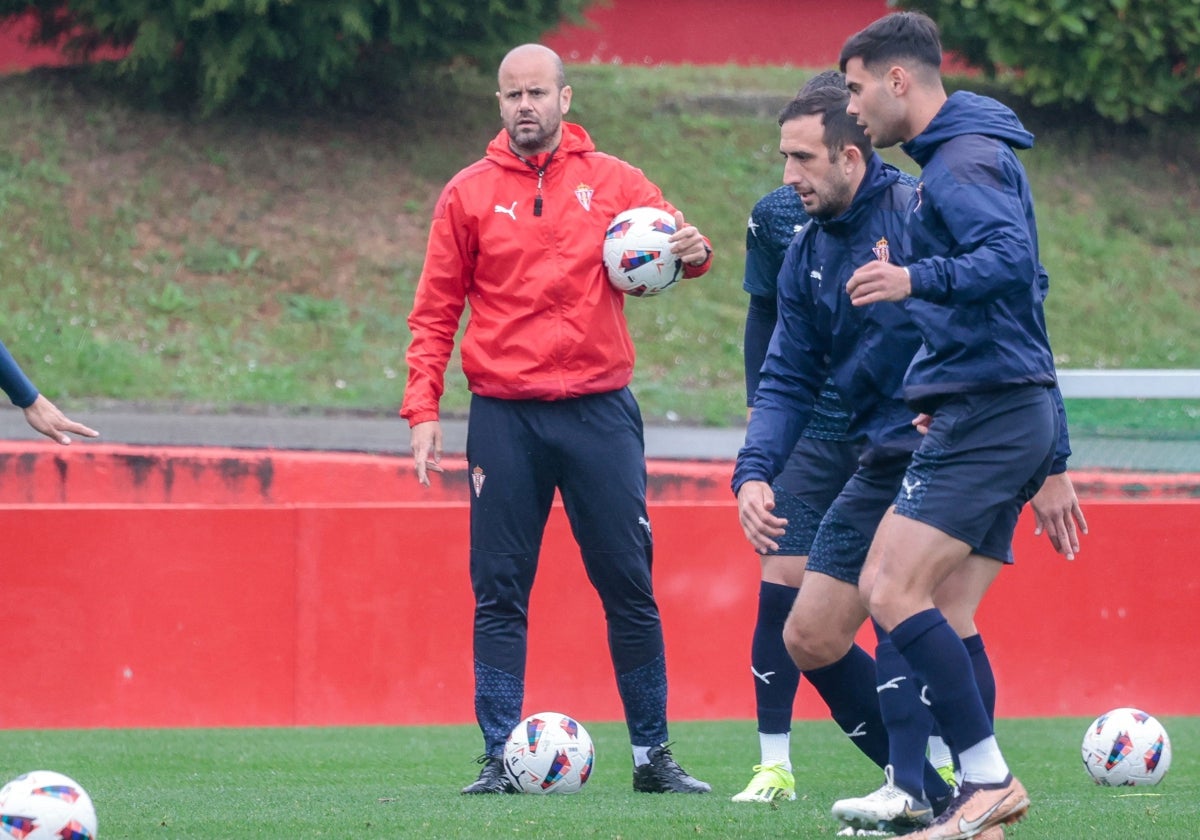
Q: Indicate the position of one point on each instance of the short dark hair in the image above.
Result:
(829, 101)
(826, 77)
(900, 35)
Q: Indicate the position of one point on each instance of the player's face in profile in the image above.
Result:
(872, 105)
(823, 185)
(532, 104)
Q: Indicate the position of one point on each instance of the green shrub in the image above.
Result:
(1124, 58)
(214, 53)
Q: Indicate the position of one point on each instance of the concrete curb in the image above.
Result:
(387, 434)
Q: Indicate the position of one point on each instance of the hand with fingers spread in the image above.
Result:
(1057, 514)
(45, 417)
(41, 414)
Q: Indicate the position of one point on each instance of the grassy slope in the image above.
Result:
(260, 260)
(403, 782)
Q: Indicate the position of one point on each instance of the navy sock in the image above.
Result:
(984, 678)
(940, 661)
(776, 676)
(848, 689)
(909, 723)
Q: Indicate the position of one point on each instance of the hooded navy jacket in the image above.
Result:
(820, 335)
(971, 250)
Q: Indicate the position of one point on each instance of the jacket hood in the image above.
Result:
(968, 113)
(574, 141)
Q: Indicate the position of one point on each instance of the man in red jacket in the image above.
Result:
(548, 359)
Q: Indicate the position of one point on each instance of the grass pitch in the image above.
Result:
(402, 782)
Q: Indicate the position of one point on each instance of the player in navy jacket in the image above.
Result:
(984, 381)
(981, 255)
(857, 203)
(819, 465)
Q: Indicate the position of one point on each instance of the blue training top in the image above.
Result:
(971, 249)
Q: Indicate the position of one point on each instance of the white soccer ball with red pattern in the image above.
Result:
(45, 805)
(1126, 747)
(548, 753)
(637, 253)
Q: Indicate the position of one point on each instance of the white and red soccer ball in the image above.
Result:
(1126, 747)
(45, 805)
(548, 753)
(637, 253)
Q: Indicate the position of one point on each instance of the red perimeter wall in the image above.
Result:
(210, 587)
(801, 33)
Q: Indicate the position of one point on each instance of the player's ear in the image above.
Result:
(564, 99)
(853, 155)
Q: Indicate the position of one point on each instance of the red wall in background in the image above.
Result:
(797, 32)
(15, 54)
(194, 587)
(801, 33)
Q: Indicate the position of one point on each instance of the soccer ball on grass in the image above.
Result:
(1126, 747)
(44, 805)
(548, 753)
(637, 253)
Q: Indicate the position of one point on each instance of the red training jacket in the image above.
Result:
(544, 322)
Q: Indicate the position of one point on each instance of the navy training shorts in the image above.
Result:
(814, 474)
(985, 456)
(840, 547)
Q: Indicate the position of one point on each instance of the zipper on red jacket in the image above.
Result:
(541, 172)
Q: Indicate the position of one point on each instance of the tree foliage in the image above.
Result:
(216, 53)
(1125, 58)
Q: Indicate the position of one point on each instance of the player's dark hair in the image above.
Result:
(895, 37)
(829, 101)
(826, 77)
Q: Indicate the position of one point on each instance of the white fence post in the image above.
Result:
(1130, 384)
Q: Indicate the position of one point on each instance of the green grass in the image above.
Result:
(270, 258)
(213, 784)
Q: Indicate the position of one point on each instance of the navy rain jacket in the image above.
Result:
(972, 252)
(820, 334)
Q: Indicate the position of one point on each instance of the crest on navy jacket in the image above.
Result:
(881, 249)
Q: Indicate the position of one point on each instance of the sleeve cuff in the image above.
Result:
(696, 270)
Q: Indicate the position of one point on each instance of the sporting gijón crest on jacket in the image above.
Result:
(509, 235)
